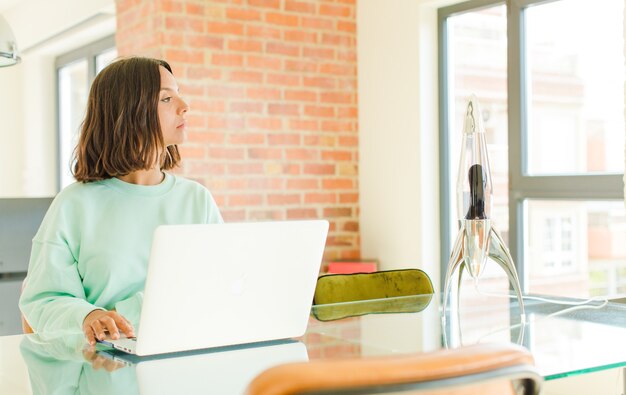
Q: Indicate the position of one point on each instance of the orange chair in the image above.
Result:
(25, 326)
(486, 369)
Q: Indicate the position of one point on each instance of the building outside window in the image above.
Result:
(552, 96)
(75, 73)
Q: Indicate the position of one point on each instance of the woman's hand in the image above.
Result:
(98, 322)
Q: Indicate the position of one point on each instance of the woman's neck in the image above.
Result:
(144, 177)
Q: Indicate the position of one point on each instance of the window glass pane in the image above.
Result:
(477, 59)
(575, 87)
(73, 87)
(575, 248)
(103, 59)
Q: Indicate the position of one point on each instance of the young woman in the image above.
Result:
(89, 258)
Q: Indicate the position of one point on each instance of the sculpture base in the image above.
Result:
(497, 251)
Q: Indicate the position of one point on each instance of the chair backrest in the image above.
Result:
(25, 326)
(480, 369)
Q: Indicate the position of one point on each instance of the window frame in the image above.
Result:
(89, 52)
(522, 186)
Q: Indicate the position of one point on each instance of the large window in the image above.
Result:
(75, 72)
(549, 76)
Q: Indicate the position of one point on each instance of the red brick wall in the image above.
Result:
(273, 95)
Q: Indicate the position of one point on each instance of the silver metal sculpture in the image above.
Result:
(477, 240)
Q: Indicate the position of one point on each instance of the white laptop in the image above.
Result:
(227, 284)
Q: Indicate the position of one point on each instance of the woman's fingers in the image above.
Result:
(124, 326)
(90, 335)
(88, 326)
(108, 322)
(98, 330)
(99, 322)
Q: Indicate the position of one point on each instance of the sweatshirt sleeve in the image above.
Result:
(214, 216)
(131, 308)
(53, 299)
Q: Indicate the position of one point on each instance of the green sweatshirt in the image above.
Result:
(92, 248)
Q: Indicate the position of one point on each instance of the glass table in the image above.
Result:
(565, 340)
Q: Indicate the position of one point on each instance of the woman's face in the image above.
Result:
(172, 110)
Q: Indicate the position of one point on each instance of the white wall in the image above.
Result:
(44, 30)
(398, 133)
(11, 127)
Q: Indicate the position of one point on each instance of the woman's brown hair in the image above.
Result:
(121, 131)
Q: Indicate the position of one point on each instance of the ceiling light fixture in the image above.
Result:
(8, 45)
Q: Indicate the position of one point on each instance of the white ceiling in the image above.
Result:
(6, 4)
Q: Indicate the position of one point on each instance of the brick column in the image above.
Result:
(272, 88)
